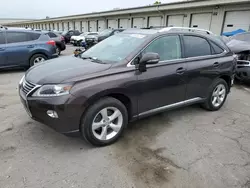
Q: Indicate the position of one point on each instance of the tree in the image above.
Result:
(157, 3)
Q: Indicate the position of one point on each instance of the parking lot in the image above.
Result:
(187, 147)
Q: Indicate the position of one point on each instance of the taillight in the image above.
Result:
(51, 42)
(62, 38)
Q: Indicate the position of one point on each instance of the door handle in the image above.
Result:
(216, 64)
(30, 46)
(180, 70)
(2, 49)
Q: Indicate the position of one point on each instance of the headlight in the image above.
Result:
(53, 90)
(21, 81)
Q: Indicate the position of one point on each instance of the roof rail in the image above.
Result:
(191, 29)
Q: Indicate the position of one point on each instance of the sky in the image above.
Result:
(53, 8)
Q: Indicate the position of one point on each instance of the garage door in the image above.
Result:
(71, 26)
(60, 27)
(84, 26)
(101, 25)
(175, 21)
(112, 24)
(124, 23)
(92, 26)
(202, 21)
(154, 21)
(237, 20)
(78, 25)
(138, 22)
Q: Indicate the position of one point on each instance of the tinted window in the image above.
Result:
(196, 46)
(15, 37)
(33, 36)
(52, 35)
(167, 47)
(216, 48)
(2, 38)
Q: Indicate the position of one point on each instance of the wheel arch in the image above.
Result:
(227, 78)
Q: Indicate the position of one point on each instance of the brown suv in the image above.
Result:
(128, 76)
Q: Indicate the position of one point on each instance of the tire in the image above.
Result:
(221, 85)
(58, 50)
(95, 135)
(35, 57)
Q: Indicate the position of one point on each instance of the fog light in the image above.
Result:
(52, 114)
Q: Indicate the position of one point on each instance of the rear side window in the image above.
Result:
(2, 38)
(33, 36)
(196, 46)
(16, 37)
(52, 35)
(216, 48)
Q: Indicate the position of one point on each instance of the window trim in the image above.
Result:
(163, 61)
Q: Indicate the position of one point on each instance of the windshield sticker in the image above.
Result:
(137, 36)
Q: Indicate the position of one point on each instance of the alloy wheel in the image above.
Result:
(219, 95)
(38, 60)
(107, 123)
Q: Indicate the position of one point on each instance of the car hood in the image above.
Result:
(60, 70)
(238, 46)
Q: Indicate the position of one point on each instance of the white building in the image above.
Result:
(4, 21)
(215, 15)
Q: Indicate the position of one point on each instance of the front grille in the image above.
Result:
(27, 86)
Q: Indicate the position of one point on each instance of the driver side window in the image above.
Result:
(168, 47)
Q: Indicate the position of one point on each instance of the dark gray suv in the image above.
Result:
(125, 77)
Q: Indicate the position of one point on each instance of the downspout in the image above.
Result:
(163, 16)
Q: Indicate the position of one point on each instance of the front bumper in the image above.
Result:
(66, 107)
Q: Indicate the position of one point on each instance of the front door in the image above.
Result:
(3, 57)
(162, 84)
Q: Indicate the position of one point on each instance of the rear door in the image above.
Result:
(18, 47)
(205, 61)
(3, 57)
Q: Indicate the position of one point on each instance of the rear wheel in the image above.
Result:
(104, 122)
(37, 58)
(217, 95)
(58, 50)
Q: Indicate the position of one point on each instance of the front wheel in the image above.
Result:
(104, 122)
(217, 95)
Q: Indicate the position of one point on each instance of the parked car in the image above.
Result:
(107, 33)
(240, 45)
(92, 40)
(67, 34)
(77, 40)
(24, 48)
(98, 93)
(59, 39)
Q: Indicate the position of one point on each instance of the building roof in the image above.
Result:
(141, 9)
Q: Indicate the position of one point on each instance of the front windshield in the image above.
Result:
(116, 48)
(105, 32)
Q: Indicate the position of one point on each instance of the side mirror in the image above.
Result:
(149, 58)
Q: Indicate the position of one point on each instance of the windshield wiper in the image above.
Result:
(94, 59)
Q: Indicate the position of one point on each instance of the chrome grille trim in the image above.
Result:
(28, 87)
